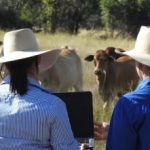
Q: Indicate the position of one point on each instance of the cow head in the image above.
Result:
(102, 64)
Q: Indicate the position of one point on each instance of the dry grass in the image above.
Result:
(87, 42)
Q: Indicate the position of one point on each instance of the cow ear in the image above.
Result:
(89, 58)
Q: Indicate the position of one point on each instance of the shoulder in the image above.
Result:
(130, 106)
(51, 98)
(43, 96)
(129, 99)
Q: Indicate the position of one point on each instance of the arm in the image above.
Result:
(122, 135)
(101, 130)
(100, 133)
(61, 133)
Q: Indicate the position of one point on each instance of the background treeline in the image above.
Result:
(71, 15)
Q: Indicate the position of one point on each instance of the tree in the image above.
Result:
(125, 15)
(70, 15)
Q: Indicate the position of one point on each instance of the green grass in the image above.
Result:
(87, 42)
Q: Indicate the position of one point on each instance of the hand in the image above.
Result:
(101, 130)
(85, 147)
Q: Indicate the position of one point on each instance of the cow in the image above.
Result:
(114, 76)
(65, 74)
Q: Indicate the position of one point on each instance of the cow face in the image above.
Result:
(101, 62)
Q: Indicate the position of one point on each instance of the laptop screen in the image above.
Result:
(80, 111)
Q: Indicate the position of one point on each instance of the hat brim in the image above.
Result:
(48, 57)
(139, 57)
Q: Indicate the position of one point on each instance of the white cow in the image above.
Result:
(65, 74)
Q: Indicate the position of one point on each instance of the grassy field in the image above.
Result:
(87, 42)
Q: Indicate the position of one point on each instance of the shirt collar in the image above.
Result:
(143, 83)
(6, 80)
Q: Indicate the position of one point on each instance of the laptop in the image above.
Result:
(80, 111)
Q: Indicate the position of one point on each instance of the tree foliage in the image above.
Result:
(70, 15)
(126, 15)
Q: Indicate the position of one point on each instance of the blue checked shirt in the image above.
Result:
(130, 123)
(35, 121)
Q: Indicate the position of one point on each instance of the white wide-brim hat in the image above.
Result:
(141, 51)
(21, 44)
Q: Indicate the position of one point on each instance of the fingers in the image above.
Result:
(85, 147)
(100, 136)
(100, 130)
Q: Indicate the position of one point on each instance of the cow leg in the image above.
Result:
(108, 101)
(105, 105)
(63, 88)
(78, 87)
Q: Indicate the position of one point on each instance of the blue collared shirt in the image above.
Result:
(130, 123)
(36, 121)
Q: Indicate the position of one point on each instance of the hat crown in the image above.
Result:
(22, 44)
(19, 40)
(141, 51)
(142, 45)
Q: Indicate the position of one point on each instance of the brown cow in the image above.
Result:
(114, 76)
(65, 74)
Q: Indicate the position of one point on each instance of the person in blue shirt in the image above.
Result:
(31, 118)
(130, 123)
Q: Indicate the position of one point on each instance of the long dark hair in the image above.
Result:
(18, 71)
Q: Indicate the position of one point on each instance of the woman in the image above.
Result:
(30, 117)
